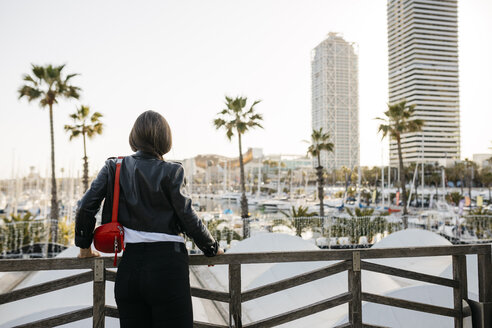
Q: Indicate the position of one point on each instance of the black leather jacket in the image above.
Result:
(151, 199)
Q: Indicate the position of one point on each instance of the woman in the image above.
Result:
(152, 287)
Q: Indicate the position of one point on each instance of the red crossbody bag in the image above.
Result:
(109, 237)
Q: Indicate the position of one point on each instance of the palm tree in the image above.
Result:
(83, 127)
(300, 219)
(48, 85)
(236, 119)
(487, 181)
(319, 142)
(435, 178)
(469, 168)
(398, 122)
(347, 175)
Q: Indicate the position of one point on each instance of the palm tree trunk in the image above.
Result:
(346, 183)
(298, 225)
(321, 196)
(470, 186)
(461, 183)
(244, 200)
(403, 183)
(54, 199)
(85, 179)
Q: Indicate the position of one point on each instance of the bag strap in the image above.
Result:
(116, 193)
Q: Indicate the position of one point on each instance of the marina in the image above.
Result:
(348, 223)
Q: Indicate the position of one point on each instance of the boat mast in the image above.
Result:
(290, 186)
(389, 182)
(423, 170)
(278, 183)
(224, 183)
(443, 179)
(358, 184)
(413, 185)
(258, 192)
(382, 180)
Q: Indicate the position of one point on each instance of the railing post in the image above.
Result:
(235, 295)
(459, 293)
(99, 294)
(355, 287)
(485, 287)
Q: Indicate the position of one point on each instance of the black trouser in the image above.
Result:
(152, 287)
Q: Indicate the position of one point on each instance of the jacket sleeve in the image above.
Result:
(85, 219)
(188, 219)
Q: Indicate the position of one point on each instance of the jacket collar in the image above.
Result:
(144, 154)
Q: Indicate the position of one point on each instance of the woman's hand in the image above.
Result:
(220, 251)
(88, 252)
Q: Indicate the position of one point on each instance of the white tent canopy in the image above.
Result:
(256, 275)
(54, 303)
(387, 316)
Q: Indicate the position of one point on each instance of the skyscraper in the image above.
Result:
(423, 69)
(335, 99)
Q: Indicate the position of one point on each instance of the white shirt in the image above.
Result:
(134, 236)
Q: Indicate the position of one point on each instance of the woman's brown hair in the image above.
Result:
(151, 133)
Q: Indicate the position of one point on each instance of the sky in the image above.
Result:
(181, 58)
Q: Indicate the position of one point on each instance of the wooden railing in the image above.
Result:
(351, 261)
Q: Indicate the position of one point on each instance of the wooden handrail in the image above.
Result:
(210, 294)
(254, 258)
(350, 260)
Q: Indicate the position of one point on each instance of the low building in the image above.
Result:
(483, 160)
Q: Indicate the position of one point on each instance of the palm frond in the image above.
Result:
(29, 92)
(38, 71)
(69, 76)
(241, 126)
(52, 73)
(28, 78)
(229, 134)
(251, 124)
(256, 102)
(83, 112)
(75, 134)
(72, 92)
(218, 123)
(256, 117)
(96, 116)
